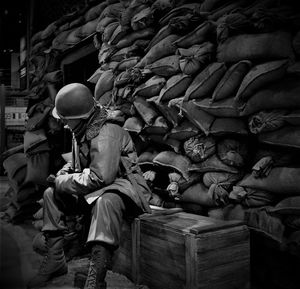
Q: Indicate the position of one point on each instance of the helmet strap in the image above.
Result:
(79, 130)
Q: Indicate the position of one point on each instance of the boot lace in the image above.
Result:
(92, 277)
(44, 263)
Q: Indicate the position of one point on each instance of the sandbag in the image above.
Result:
(38, 168)
(133, 124)
(281, 180)
(170, 113)
(181, 9)
(118, 34)
(232, 152)
(183, 131)
(166, 66)
(262, 46)
(175, 87)
(259, 76)
(231, 81)
(199, 148)
(126, 52)
(34, 139)
(103, 23)
(151, 87)
(287, 136)
(165, 143)
(222, 108)
(49, 31)
(104, 83)
(145, 110)
(105, 99)
(251, 198)
(163, 5)
(203, 52)
(280, 95)
(227, 8)
(225, 126)
(205, 82)
(104, 53)
(160, 126)
(199, 35)
(292, 117)
(142, 19)
(109, 30)
(160, 35)
(128, 63)
(87, 28)
(230, 24)
(95, 76)
(212, 164)
(163, 48)
(53, 77)
(197, 194)
(210, 178)
(198, 117)
(94, 11)
(113, 10)
(266, 121)
(190, 65)
(287, 206)
(173, 161)
(209, 5)
(129, 39)
(230, 212)
(38, 115)
(15, 167)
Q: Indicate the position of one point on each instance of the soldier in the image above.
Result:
(103, 172)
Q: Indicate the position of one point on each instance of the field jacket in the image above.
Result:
(98, 161)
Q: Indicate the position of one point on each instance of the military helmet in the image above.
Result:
(74, 101)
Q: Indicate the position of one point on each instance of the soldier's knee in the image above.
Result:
(110, 201)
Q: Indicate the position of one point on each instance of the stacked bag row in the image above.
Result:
(201, 87)
(209, 92)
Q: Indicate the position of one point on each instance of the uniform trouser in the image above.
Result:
(107, 214)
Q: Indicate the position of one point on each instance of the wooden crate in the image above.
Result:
(124, 260)
(189, 251)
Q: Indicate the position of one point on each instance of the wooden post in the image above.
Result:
(29, 28)
(2, 123)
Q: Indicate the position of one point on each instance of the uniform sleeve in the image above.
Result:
(105, 153)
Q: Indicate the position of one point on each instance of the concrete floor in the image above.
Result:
(19, 263)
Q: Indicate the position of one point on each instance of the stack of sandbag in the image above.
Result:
(181, 73)
(208, 92)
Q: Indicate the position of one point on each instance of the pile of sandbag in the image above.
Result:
(208, 92)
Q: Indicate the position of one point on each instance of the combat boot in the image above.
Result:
(100, 262)
(53, 264)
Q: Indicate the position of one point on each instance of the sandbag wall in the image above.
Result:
(209, 91)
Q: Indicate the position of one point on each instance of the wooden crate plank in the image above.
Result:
(233, 275)
(221, 256)
(222, 238)
(161, 233)
(155, 277)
